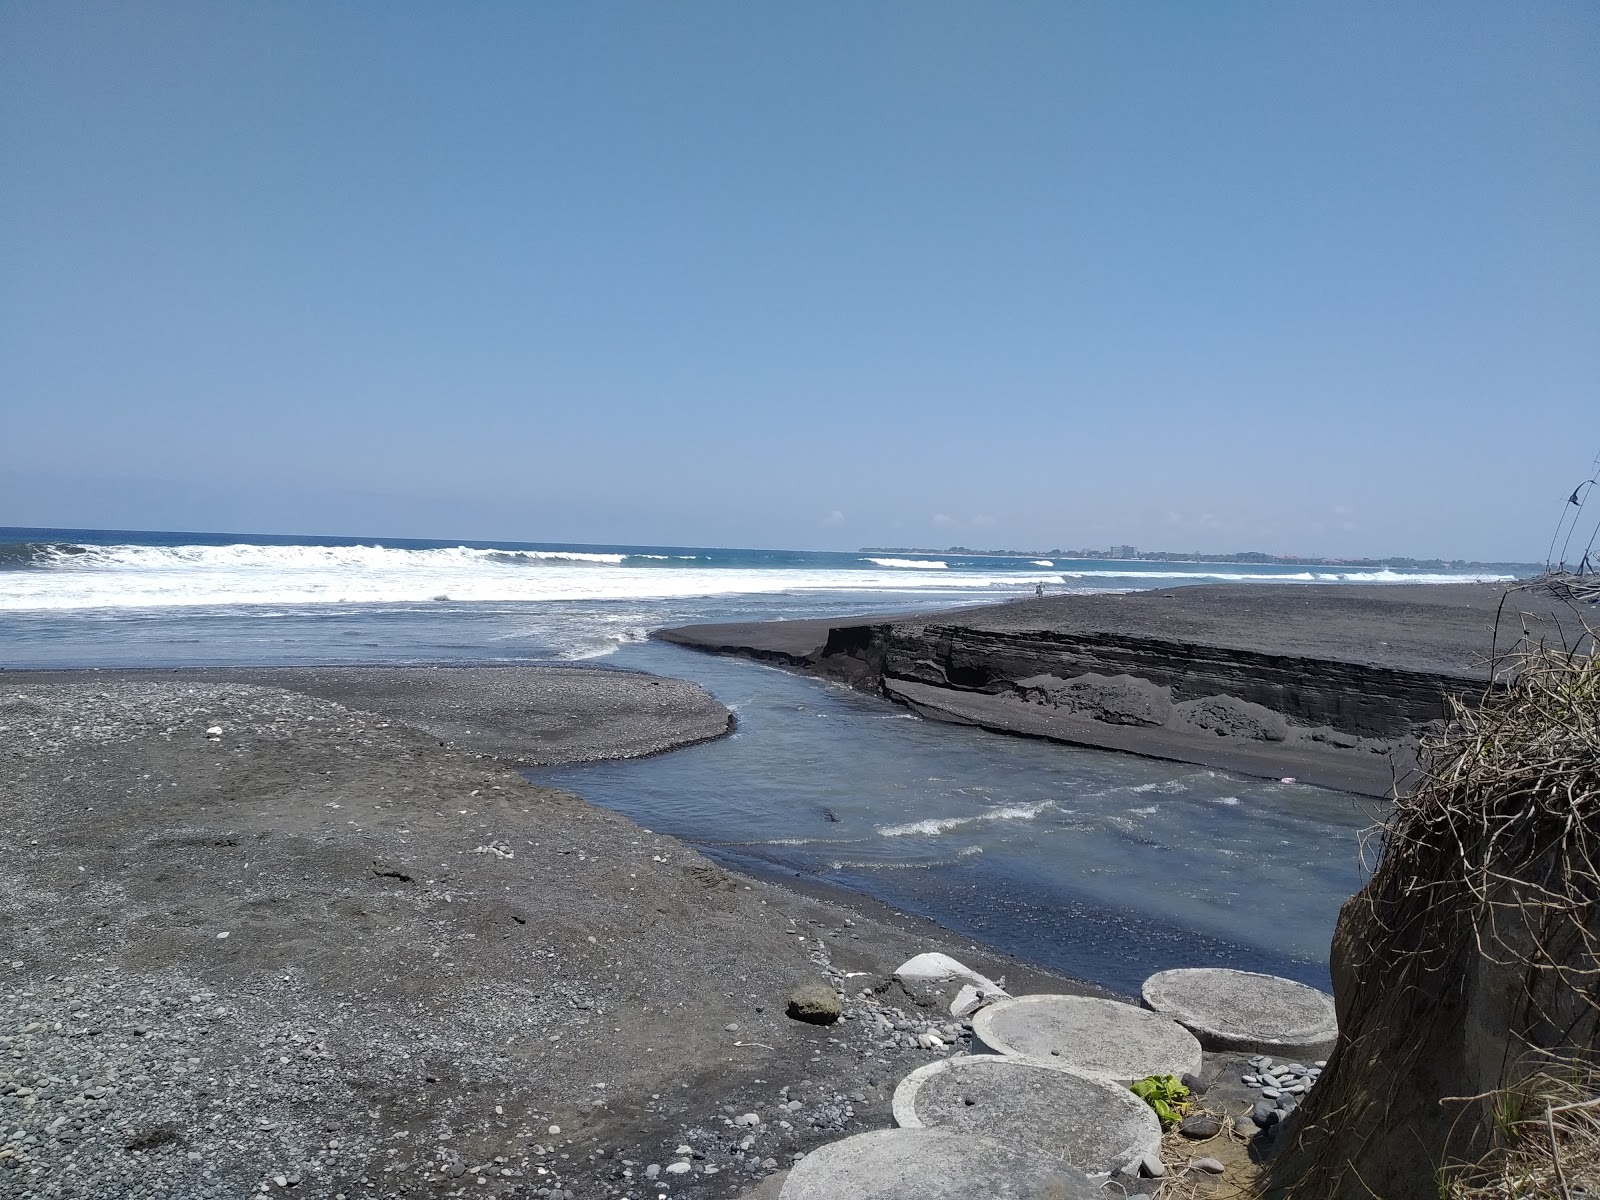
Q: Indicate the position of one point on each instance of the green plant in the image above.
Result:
(1164, 1093)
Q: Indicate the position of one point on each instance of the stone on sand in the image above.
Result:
(930, 1164)
(1087, 1121)
(1243, 1010)
(815, 1004)
(935, 976)
(1085, 1033)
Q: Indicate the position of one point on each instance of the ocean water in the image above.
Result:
(1102, 865)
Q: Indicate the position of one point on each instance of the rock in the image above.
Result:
(1055, 1114)
(678, 1168)
(1088, 1034)
(815, 1004)
(1245, 1010)
(932, 1164)
(1209, 1165)
(747, 1119)
(1262, 1113)
(1151, 1167)
(932, 978)
(968, 1000)
(1200, 1126)
(1245, 1127)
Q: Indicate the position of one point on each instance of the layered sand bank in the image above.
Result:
(258, 939)
(1329, 684)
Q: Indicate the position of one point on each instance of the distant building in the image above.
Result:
(1124, 552)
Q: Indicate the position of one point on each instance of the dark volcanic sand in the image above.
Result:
(1440, 628)
(1442, 637)
(427, 961)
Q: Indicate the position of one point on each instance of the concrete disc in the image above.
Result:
(930, 1164)
(1085, 1121)
(1241, 1010)
(1082, 1033)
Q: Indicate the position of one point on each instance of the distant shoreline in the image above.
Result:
(1244, 559)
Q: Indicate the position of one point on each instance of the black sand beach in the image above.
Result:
(1330, 684)
(279, 929)
(315, 951)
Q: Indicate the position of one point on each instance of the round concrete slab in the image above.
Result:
(1082, 1033)
(1085, 1121)
(930, 1164)
(1241, 1010)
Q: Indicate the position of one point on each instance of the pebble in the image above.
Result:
(678, 1168)
(1200, 1126)
(1209, 1165)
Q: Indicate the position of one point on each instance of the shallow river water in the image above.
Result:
(1102, 865)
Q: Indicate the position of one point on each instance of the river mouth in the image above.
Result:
(1104, 866)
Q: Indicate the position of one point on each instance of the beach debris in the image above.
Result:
(815, 1004)
(929, 975)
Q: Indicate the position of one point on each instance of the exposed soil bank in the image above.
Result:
(318, 953)
(1330, 684)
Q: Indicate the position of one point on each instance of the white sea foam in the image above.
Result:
(1165, 786)
(1043, 562)
(140, 576)
(934, 826)
(1318, 575)
(143, 576)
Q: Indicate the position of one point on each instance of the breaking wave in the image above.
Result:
(63, 575)
(933, 564)
(934, 826)
(1318, 575)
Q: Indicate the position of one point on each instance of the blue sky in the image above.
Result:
(1296, 277)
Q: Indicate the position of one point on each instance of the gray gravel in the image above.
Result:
(258, 943)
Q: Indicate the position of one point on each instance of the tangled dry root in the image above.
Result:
(1468, 969)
